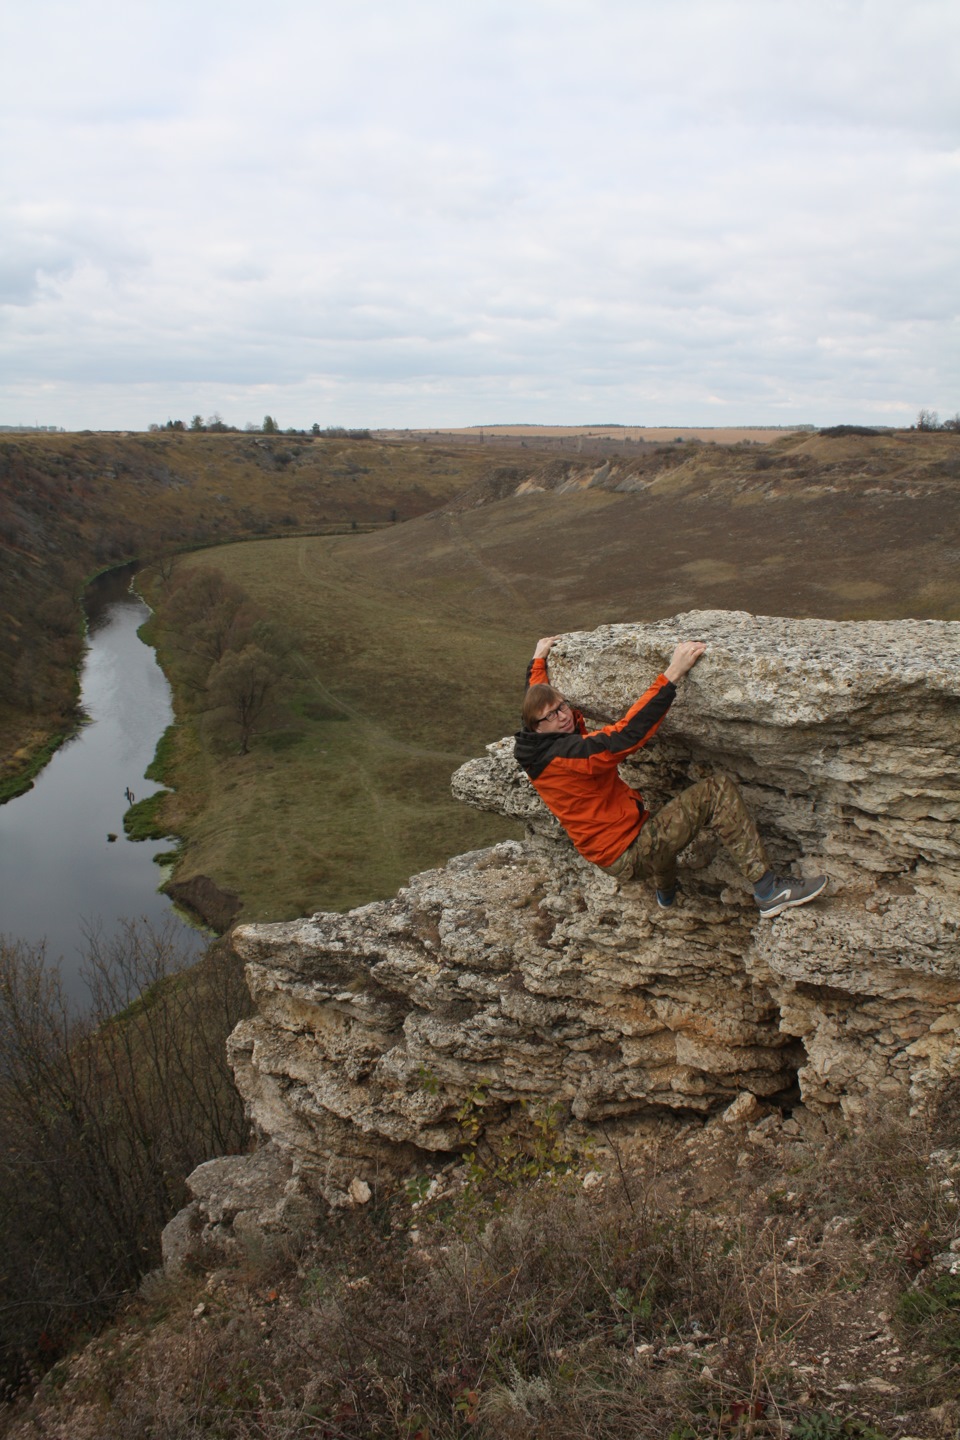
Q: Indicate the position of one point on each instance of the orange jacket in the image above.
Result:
(576, 775)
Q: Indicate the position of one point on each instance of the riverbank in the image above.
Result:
(69, 872)
(29, 759)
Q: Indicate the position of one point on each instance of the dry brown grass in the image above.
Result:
(653, 434)
(552, 1312)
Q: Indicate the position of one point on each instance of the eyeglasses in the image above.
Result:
(564, 705)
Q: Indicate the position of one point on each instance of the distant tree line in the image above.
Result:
(930, 420)
(216, 425)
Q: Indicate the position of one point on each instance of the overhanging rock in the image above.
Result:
(521, 975)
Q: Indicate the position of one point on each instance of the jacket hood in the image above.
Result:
(531, 750)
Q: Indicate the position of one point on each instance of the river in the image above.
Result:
(61, 878)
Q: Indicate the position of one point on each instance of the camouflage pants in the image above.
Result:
(716, 803)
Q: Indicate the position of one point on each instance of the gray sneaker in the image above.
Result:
(787, 893)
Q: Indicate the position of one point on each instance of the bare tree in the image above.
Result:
(205, 616)
(243, 691)
(102, 1115)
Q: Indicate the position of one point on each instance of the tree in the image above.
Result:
(205, 616)
(270, 426)
(928, 420)
(242, 690)
(165, 564)
(197, 423)
(314, 428)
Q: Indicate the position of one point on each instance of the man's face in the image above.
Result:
(555, 719)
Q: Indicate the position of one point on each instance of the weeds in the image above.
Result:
(824, 1426)
(536, 1310)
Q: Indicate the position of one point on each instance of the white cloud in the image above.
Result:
(418, 213)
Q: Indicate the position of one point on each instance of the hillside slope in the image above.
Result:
(416, 636)
(71, 505)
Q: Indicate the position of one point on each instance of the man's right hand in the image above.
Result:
(544, 646)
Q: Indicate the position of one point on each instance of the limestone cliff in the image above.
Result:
(522, 976)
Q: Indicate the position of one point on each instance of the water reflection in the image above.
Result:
(60, 876)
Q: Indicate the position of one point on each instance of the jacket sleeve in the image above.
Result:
(537, 672)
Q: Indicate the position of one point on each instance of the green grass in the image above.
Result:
(143, 820)
(346, 807)
(163, 757)
(19, 783)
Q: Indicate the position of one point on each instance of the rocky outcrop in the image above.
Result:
(520, 977)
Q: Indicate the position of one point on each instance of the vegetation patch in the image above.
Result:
(555, 1306)
(102, 1116)
(161, 766)
(21, 780)
(144, 819)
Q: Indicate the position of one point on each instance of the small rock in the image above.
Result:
(592, 1180)
(743, 1111)
(359, 1191)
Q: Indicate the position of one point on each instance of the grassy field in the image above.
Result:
(392, 697)
(415, 640)
(415, 645)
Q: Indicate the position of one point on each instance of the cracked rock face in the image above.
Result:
(521, 977)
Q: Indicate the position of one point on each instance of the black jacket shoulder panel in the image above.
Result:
(534, 752)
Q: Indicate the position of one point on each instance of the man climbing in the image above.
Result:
(574, 771)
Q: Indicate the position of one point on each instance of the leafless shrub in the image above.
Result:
(102, 1115)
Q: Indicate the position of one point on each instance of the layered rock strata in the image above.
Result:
(520, 977)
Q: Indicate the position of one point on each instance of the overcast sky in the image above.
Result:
(417, 212)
